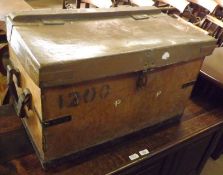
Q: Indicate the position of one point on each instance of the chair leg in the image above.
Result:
(78, 4)
(64, 4)
(87, 5)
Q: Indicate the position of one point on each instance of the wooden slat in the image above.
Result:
(215, 20)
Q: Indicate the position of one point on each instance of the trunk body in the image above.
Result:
(126, 77)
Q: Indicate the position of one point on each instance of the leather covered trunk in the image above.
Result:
(97, 75)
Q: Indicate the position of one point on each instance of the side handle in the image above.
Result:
(21, 98)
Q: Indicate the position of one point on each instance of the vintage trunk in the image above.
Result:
(97, 75)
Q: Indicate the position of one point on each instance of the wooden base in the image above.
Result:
(88, 152)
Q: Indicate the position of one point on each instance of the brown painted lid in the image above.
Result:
(65, 47)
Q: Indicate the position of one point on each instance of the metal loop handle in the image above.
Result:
(22, 100)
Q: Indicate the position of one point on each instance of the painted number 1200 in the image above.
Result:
(73, 99)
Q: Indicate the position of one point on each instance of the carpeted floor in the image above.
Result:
(213, 167)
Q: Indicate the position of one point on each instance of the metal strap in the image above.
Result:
(20, 100)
